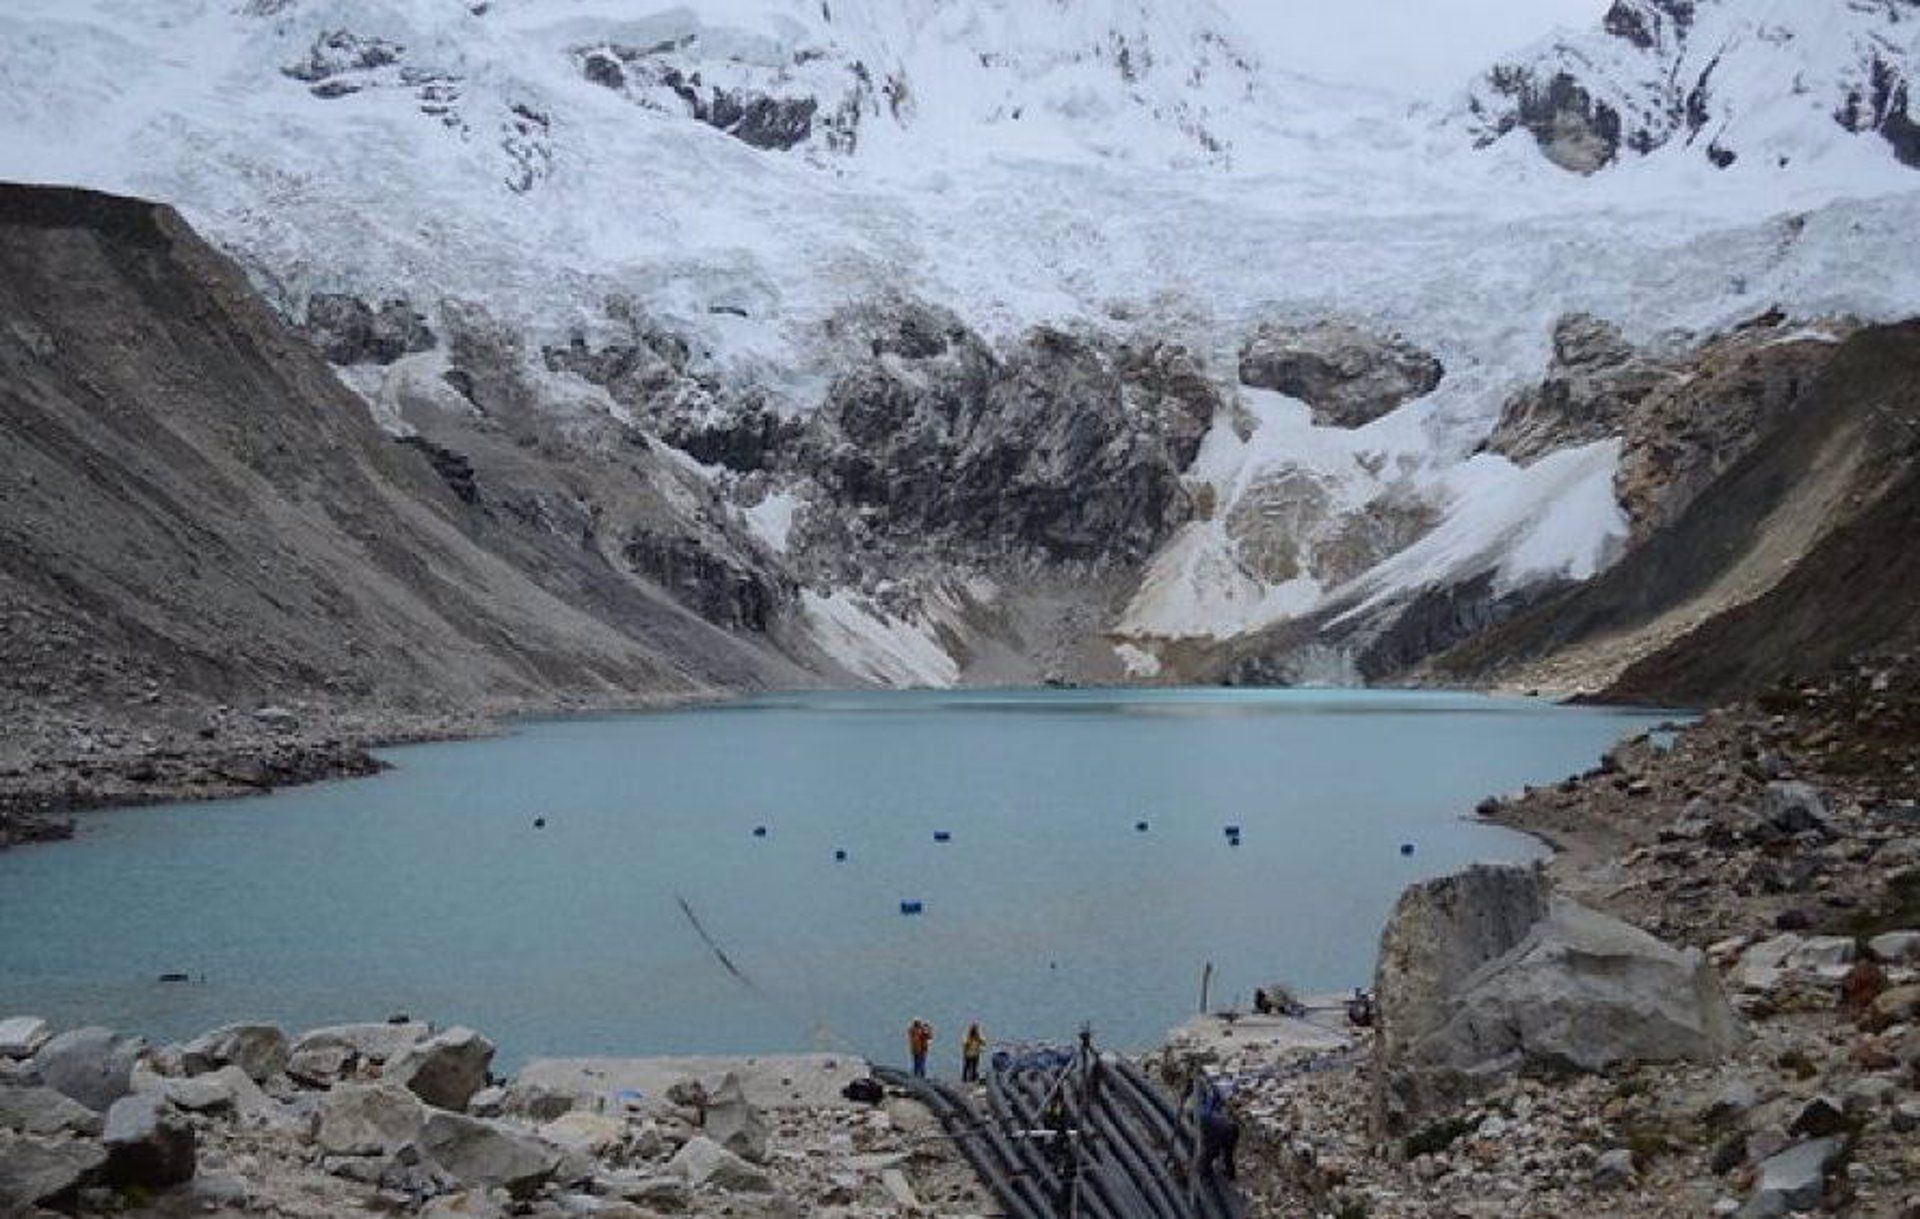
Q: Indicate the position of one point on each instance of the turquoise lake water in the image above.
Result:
(428, 889)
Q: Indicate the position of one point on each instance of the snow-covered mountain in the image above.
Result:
(1766, 81)
(950, 305)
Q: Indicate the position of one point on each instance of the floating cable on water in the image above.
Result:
(823, 1032)
(719, 953)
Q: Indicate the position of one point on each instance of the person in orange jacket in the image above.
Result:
(970, 1048)
(919, 1038)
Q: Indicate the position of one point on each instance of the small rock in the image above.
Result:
(446, 1070)
(895, 1183)
(277, 719)
(1868, 1093)
(733, 1123)
(43, 1111)
(1794, 1179)
(20, 1036)
(1900, 1005)
(1906, 1116)
(200, 1094)
(148, 1143)
(1735, 1099)
(472, 1204)
(1893, 948)
(592, 1133)
(369, 1119)
(1794, 808)
(1614, 1170)
(1818, 1118)
(258, 1049)
(655, 1193)
(705, 1162)
(320, 1066)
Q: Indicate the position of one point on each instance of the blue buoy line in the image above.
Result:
(942, 836)
(912, 907)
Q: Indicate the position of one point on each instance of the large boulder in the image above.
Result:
(20, 1036)
(488, 1154)
(1487, 971)
(704, 1162)
(92, 1065)
(735, 1124)
(258, 1049)
(375, 1043)
(445, 1070)
(148, 1142)
(43, 1111)
(1348, 376)
(325, 1056)
(369, 1119)
(46, 1174)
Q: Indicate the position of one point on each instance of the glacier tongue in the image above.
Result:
(741, 172)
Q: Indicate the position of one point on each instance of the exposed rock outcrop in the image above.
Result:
(1349, 376)
(1595, 381)
(1070, 449)
(1486, 971)
(1791, 558)
(201, 516)
(348, 330)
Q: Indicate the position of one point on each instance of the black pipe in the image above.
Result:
(986, 1155)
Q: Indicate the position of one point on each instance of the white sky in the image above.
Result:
(1409, 46)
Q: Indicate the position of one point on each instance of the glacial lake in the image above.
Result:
(429, 890)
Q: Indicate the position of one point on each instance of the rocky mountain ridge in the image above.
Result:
(754, 333)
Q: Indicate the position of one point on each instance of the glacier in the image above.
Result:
(742, 172)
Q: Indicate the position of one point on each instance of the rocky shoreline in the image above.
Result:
(1776, 843)
(54, 765)
(401, 1118)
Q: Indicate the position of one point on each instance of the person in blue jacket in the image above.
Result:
(1219, 1129)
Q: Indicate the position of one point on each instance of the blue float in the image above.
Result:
(840, 856)
(1141, 826)
(1233, 831)
(942, 836)
(911, 907)
(1406, 848)
(759, 831)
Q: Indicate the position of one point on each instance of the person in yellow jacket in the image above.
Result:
(970, 1048)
